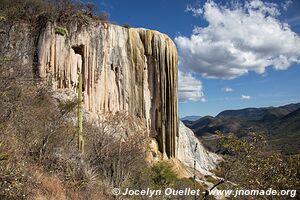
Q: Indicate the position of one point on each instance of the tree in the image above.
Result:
(117, 147)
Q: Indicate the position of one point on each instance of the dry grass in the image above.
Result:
(50, 187)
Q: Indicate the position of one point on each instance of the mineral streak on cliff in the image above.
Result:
(132, 70)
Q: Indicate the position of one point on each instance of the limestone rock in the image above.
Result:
(132, 70)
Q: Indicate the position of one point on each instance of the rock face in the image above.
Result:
(132, 70)
(205, 160)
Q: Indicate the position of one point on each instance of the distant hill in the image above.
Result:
(259, 113)
(280, 124)
(285, 132)
(190, 118)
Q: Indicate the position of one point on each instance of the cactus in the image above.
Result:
(80, 115)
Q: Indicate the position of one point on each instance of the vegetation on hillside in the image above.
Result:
(39, 157)
(60, 11)
(38, 153)
(251, 163)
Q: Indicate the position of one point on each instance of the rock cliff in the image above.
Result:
(123, 69)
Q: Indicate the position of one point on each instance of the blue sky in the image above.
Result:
(214, 78)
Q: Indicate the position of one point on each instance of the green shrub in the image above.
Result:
(211, 179)
(126, 25)
(6, 59)
(68, 106)
(61, 31)
(2, 19)
(163, 175)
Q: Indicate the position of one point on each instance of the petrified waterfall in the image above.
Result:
(132, 70)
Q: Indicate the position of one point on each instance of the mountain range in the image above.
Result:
(188, 120)
(281, 125)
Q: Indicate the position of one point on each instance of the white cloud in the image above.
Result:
(238, 39)
(196, 10)
(245, 97)
(203, 99)
(228, 89)
(190, 89)
(286, 4)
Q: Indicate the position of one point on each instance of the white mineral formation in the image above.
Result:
(123, 69)
(205, 160)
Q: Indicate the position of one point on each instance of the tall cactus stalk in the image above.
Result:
(80, 116)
